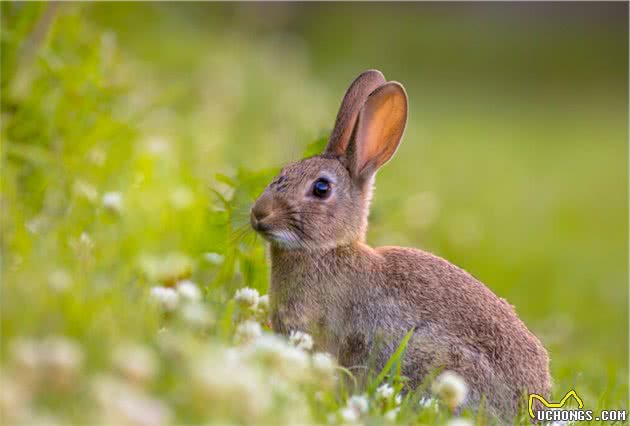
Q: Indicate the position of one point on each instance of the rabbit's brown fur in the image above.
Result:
(358, 302)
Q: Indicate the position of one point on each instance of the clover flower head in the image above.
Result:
(247, 297)
(451, 388)
(301, 340)
(391, 415)
(214, 258)
(428, 402)
(263, 308)
(62, 356)
(385, 391)
(197, 315)
(26, 354)
(360, 403)
(295, 361)
(121, 403)
(323, 363)
(231, 384)
(113, 202)
(135, 362)
(189, 290)
(248, 331)
(85, 190)
(166, 297)
(348, 415)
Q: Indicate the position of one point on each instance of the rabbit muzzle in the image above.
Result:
(260, 214)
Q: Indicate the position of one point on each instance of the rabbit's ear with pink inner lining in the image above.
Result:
(379, 129)
(353, 101)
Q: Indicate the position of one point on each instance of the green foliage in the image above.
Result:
(393, 365)
(135, 137)
(316, 147)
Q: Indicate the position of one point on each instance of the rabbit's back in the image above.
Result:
(462, 326)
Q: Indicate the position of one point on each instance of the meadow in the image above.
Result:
(135, 137)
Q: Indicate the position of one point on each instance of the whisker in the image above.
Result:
(240, 233)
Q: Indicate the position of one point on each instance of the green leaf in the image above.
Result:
(225, 179)
(395, 358)
(316, 147)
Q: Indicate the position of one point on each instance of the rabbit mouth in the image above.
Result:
(283, 238)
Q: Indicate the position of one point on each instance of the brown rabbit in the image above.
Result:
(357, 301)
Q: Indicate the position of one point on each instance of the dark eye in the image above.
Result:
(321, 188)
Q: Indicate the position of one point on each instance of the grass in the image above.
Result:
(136, 136)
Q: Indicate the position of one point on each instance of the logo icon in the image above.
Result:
(547, 404)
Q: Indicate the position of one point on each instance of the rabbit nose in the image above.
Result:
(260, 211)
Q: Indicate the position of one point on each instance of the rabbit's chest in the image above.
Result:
(306, 301)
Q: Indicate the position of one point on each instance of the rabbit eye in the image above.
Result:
(321, 188)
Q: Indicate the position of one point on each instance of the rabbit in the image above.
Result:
(358, 302)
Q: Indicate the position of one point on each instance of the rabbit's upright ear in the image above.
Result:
(379, 129)
(353, 100)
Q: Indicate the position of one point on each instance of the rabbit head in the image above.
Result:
(323, 201)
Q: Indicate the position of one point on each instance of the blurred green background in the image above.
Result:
(513, 165)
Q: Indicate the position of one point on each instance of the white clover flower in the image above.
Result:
(230, 385)
(286, 360)
(248, 331)
(135, 362)
(398, 399)
(172, 343)
(349, 415)
(189, 290)
(197, 315)
(62, 359)
(85, 190)
(295, 364)
(459, 421)
(55, 359)
(270, 348)
(113, 202)
(247, 297)
(391, 415)
(427, 402)
(167, 269)
(166, 297)
(385, 391)
(323, 363)
(26, 354)
(451, 388)
(121, 404)
(214, 258)
(233, 355)
(301, 340)
(360, 403)
(263, 302)
(262, 312)
(269, 343)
